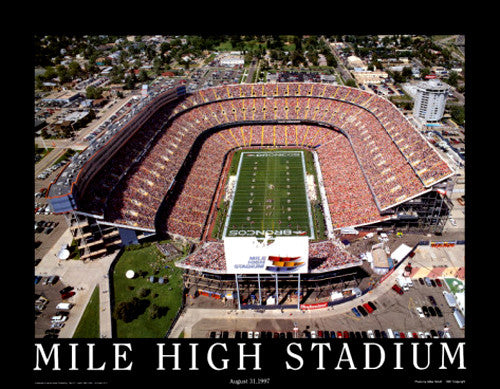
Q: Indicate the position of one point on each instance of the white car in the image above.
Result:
(58, 319)
(420, 312)
(256, 335)
(313, 334)
(250, 334)
(371, 335)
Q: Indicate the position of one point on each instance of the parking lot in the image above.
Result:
(44, 325)
(393, 311)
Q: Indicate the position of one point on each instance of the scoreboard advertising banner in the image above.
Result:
(286, 255)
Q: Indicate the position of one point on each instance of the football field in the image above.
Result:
(270, 196)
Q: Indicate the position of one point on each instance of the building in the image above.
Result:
(232, 59)
(61, 97)
(370, 77)
(356, 63)
(430, 100)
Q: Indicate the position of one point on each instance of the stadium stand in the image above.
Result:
(371, 158)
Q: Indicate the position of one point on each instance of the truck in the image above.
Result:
(459, 318)
(450, 299)
(402, 283)
(409, 282)
(64, 306)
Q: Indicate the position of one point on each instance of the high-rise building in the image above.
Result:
(430, 100)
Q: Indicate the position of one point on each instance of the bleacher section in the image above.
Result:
(371, 157)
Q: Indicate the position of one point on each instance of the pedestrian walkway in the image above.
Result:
(105, 308)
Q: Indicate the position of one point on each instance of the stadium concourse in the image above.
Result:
(168, 176)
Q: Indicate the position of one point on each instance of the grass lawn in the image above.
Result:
(270, 194)
(88, 327)
(146, 262)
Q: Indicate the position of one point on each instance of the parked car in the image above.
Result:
(426, 311)
(438, 282)
(367, 307)
(421, 280)
(432, 300)
(432, 311)
(356, 312)
(371, 335)
(372, 305)
(397, 289)
(438, 311)
(58, 318)
(66, 289)
(67, 295)
(420, 312)
(362, 310)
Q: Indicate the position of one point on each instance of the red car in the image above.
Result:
(367, 307)
(346, 334)
(339, 334)
(397, 289)
(67, 295)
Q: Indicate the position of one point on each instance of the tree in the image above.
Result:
(93, 93)
(156, 311)
(143, 76)
(458, 114)
(143, 292)
(128, 311)
(74, 70)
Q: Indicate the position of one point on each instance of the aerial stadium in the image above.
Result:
(259, 178)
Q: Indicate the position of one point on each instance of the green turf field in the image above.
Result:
(270, 195)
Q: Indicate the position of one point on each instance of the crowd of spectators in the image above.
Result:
(381, 162)
(329, 255)
(323, 257)
(209, 256)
